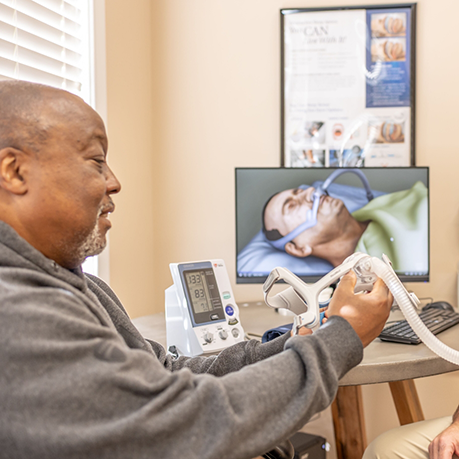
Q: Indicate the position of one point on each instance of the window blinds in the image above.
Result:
(43, 41)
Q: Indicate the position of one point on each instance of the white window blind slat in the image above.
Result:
(12, 69)
(47, 41)
(43, 63)
(6, 78)
(34, 43)
(7, 68)
(66, 8)
(75, 3)
(31, 25)
(39, 11)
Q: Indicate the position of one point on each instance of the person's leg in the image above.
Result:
(410, 441)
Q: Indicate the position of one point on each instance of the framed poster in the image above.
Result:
(348, 86)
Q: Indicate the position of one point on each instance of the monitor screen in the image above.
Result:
(310, 220)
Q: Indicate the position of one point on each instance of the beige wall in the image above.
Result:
(193, 91)
(132, 153)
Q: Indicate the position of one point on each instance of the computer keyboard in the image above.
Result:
(436, 320)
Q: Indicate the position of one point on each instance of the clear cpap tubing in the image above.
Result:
(410, 313)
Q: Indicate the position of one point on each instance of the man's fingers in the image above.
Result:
(348, 281)
(380, 287)
(303, 331)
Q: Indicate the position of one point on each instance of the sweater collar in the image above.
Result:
(16, 252)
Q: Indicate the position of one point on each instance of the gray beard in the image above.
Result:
(93, 245)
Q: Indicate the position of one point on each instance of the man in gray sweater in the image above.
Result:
(77, 379)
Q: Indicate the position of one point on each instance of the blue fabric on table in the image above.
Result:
(275, 332)
(272, 333)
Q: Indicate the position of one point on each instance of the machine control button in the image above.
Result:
(235, 332)
(223, 334)
(208, 337)
(229, 310)
(233, 321)
(214, 317)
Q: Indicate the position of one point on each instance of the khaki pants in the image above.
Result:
(410, 441)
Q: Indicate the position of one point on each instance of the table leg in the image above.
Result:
(406, 401)
(349, 423)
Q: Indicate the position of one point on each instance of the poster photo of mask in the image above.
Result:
(388, 25)
(386, 131)
(388, 50)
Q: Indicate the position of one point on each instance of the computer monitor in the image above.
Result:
(371, 210)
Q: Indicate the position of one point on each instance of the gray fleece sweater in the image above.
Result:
(77, 379)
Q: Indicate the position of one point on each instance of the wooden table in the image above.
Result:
(396, 364)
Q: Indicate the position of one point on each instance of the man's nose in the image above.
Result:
(113, 185)
(307, 194)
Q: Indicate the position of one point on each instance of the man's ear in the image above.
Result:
(11, 170)
(301, 252)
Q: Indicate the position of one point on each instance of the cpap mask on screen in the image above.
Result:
(303, 299)
(311, 214)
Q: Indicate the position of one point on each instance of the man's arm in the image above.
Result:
(229, 360)
(446, 444)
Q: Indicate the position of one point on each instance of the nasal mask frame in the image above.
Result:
(302, 299)
(311, 214)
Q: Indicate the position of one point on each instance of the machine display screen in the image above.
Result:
(203, 295)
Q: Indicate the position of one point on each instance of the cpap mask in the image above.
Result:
(387, 131)
(303, 299)
(311, 214)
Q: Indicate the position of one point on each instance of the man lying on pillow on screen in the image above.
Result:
(394, 224)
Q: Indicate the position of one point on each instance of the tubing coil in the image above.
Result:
(409, 311)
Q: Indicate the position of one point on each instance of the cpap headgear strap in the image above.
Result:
(311, 214)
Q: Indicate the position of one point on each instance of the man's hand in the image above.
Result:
(303, 331)
(367, 313)
(446, 443)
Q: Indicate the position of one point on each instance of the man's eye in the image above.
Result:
(291, 205)
(100, 162)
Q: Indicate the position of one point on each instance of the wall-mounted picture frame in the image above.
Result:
(348, 86)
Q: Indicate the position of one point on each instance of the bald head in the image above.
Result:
(24, 113)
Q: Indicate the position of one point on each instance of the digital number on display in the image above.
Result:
(199, 292)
